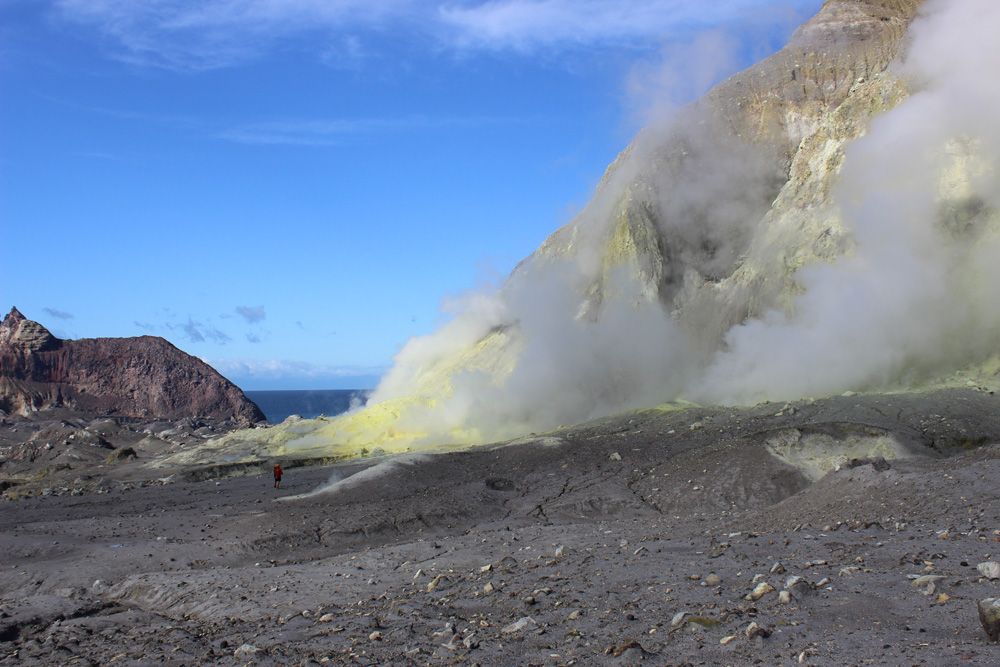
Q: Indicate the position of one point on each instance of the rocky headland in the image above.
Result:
(70, 407)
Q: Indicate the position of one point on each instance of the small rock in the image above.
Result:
(762, 589)
(726, 640)
(798, 586)
(375, 636)
(926, 580)
(754, 630)
(678, 618)
(436, 581)
(989, 616)
(615, 456)
(990, 570)
(488, 588)
(326, 618)
(713, 580)
(778, 568)
(246, 650)
(784, 597)
(627, 646)
(518, 625)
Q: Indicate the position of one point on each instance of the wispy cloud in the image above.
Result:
(62, 315)
(332, 131)
(184, 35)
(197, 332)
(526, 25)
(251, 315)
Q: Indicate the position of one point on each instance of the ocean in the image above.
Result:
(310, 403)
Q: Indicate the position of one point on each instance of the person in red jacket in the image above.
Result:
(277, 475)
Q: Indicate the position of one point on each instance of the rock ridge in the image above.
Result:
(139, 377)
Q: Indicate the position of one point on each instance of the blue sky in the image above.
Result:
(290, 189)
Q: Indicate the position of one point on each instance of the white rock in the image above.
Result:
(246, 650)
(989, 569)
(518, 625)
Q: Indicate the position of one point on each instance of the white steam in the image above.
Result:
(916, 296)
(340, 482)
(575, 335)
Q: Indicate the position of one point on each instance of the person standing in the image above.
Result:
(277, 475)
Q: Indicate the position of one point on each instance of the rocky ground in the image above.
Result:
(844, 531)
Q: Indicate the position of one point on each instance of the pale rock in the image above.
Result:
(518, 625)
(246, 650)
(926, 580)
(990, 570)
(760, 591)
(437, 582)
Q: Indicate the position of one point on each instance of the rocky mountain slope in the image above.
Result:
(786, 236)
(144, 377)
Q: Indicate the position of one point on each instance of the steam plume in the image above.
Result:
(612, 313)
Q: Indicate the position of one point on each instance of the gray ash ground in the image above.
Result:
(632, 540)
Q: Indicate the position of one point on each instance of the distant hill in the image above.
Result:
(143, 377)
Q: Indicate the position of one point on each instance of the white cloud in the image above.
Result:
(529, 24)
(217, 33)
(178, 34)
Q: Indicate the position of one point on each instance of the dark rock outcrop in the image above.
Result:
(143, 377)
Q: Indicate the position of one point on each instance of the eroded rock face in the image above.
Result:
(144, 377)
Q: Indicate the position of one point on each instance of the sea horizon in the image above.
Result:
(279, 404)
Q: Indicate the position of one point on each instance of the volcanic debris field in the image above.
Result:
(843, 531)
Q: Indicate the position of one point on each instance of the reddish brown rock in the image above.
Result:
(143, 377)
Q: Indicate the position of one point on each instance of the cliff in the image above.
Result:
(144, 377)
